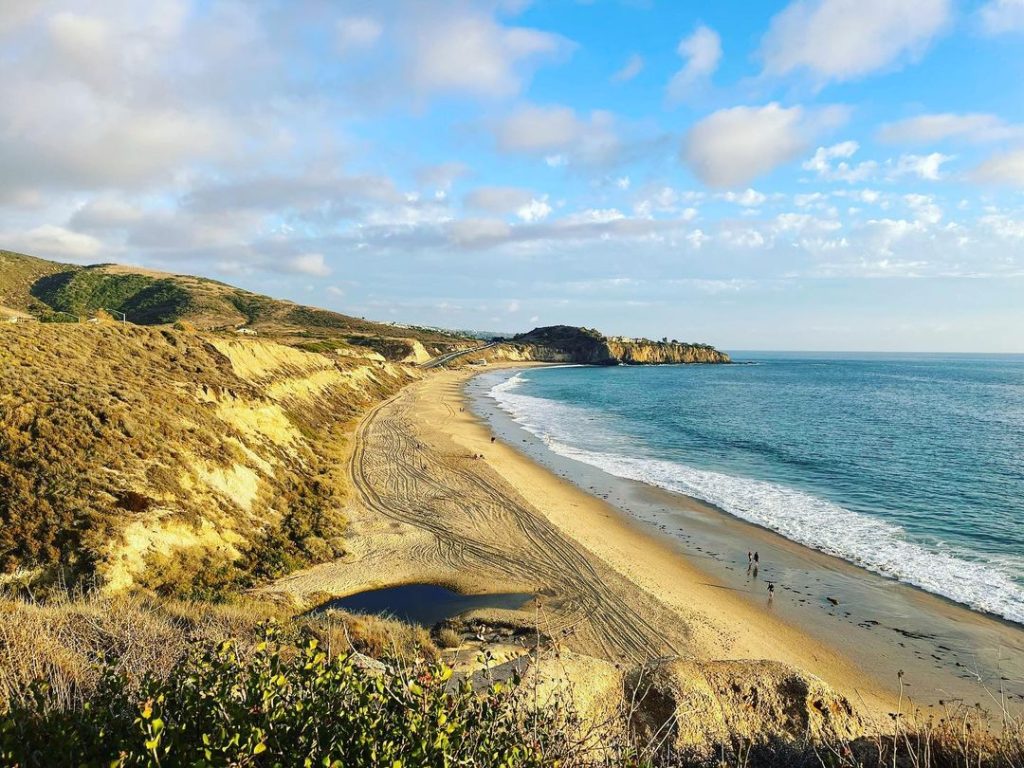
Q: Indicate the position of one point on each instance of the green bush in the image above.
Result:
(283, 705)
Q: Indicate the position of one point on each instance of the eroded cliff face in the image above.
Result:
(661, 353)
(566, 344)
(612, 353)
(122, 443)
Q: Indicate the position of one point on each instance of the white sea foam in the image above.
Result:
(867, 541)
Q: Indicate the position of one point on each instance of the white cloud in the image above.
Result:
(824, 165)
(1006, 227)
(356, 32)
(927, 167)
(559, 134)
(924, 208)
(1000, 16)
(498, 199)
(749, 198)
(697, 238)
(468, 53)
(308, 264)
(478, 232)
(928, 129)
(634, 66)
(51, 241)
(701, 51)
(535, 210)
(593, 216)
(847, 39)
(1002, 168)
(733, 146)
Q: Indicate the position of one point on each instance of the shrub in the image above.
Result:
(283, 705)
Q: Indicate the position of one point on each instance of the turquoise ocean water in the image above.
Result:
(911, 466)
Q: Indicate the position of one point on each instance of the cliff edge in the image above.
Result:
(568, 344)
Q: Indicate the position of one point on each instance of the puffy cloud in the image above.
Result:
(51, 241)
(928, 129)
(308, 264)
(535, 210)
(1002, 168)
(847, 39)
(733, 146)
(824, 165)
(634, 66)
(1000, 16)
(559, 134)
(924, 208)
(472, 53)
(927, 167)
(701, 51)
(505, 200)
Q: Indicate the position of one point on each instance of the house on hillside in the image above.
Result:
(246, 331)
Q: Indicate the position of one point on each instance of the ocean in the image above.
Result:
(911, 466)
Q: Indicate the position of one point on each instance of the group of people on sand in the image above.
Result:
(753, 561)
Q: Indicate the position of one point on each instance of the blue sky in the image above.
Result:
(817, 174)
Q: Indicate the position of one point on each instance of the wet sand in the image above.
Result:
(878, 625)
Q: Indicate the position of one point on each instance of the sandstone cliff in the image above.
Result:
(128, 453)
(568, 344)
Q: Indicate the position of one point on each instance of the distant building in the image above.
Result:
(246, 331)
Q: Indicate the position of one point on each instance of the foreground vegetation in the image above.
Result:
(99, 681)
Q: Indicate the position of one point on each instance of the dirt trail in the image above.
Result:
(481, 524)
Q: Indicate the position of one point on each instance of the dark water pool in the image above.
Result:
(424, 604)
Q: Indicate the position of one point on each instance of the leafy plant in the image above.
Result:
(284, 705)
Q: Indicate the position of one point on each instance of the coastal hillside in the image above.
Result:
(178, 460)
(568, 344)
(53, 291)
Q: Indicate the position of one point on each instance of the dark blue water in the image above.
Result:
(911, 466)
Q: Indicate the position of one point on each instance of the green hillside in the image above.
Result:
(50, 290)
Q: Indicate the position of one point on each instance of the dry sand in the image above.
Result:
(426, 509)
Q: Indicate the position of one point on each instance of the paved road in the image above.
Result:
(446, 358)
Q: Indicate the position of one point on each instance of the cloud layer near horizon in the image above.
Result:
(384, 158)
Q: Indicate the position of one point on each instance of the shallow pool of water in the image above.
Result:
(423, 604)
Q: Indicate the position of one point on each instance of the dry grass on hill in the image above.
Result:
(216, 458)
(59, 642)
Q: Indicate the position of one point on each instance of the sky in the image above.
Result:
(815, 174)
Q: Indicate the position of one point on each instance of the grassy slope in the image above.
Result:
(121, 442)
(17, 275)
(41, 287)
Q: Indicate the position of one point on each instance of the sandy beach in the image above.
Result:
(437, 500)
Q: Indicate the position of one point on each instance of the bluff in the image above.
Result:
(53, 292)
(569, 344)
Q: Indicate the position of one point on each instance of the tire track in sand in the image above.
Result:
(480, 523)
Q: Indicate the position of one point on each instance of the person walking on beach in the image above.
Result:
(757, 559)
(771, 591)
(750, 556)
